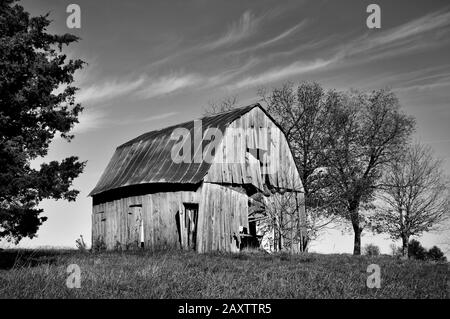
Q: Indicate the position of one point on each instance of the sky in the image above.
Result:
(156, 63)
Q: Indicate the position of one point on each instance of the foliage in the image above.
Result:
(416, 195)
(303, 112)
(99, 244)
(118, 246)
(371, 250)
(81, 245)
(416, 251)
(32, 67)
(366, 133)
(436, 254)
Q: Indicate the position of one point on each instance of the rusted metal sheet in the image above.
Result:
(147, 158)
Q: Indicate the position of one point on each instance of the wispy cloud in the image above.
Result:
(237, 31)
(178, 81)
(90, 119)
(279, 73)
(429, 22)
(420, 79)
(94, 119)
(283, 35)
(229, 74)
(396, 41)
(425, 86)
(134, 120)
(141, 86)
(275, 39)
(168, 84)
(109, 89)
(406, 38)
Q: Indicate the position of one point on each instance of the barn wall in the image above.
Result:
(233, 163)
(111, 220)
(222, 211)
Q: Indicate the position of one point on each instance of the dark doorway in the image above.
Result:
(190, 225)
(250, 239)
(135, 227)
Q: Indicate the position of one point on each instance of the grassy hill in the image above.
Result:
(178, 274)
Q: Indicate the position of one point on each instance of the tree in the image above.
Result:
(366, 133)
(435, 254)
(416, 250)
(371, 250)
(32, 67)
(279, 218)
(416, 195)
(303, 113)
(226, 104)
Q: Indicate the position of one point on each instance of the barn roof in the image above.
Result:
(147, 158)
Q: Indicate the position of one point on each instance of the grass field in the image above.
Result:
(178, 274)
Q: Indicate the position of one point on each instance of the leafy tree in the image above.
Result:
(416, 194)
(371, 250)
(303, 113)
(32, 67)
(366, 133)
(416, 251)
(436, 254)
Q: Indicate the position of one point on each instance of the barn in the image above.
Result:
(204, 185)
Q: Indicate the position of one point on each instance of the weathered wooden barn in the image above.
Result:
(147, 198)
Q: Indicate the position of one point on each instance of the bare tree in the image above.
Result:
(303, 113)
(226, 104)
(367, 131)
(416, 194)
(280, 218)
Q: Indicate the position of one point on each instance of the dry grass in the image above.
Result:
(178, 274)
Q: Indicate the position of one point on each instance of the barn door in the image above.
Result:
(190, 225)
(135, 227)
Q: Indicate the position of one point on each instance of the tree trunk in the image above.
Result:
(274, 239)
(280, 241)
(357, 240)
(405, 246)
(354, 213)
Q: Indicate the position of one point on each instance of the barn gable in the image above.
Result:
(255, 151)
